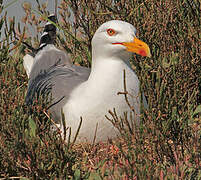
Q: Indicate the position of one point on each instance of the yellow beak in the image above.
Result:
(138, 47)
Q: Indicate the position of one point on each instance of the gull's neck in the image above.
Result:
(107, 69)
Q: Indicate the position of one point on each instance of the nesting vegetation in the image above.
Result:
(167, 145)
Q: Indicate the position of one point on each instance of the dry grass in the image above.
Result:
(167, 144)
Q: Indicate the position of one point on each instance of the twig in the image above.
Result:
(64, 123)
(55, 10)
(126, 93)
(116, 122)
(15, 177)
(120, 122)
(127, 123)
(19, 40)
(78, 129)
(95, 134)
(51, 120)
(27, 45)
(69, 136)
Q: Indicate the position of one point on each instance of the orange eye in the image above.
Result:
(111, 32)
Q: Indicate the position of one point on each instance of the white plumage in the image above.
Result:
(91, 93)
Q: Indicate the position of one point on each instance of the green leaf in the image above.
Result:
(197, 110)
(76, 174)
(24, 178)
(32, 126)
(95, 176)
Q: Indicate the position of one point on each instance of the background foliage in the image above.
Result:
(168, 143)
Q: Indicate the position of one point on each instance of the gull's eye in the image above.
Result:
(111, 32)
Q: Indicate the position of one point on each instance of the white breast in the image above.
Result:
(100, 91)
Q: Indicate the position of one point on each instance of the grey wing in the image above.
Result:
(53, 75)
(47, 58)
(64, 84)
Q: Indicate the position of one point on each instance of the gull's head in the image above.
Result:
(118, 39)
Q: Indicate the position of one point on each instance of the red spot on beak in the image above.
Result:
(142, 52)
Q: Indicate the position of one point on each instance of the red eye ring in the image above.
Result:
(111, 32)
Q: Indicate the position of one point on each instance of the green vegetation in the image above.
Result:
(168, 143)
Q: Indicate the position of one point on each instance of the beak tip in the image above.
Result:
(148, 52)
(149, 55)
